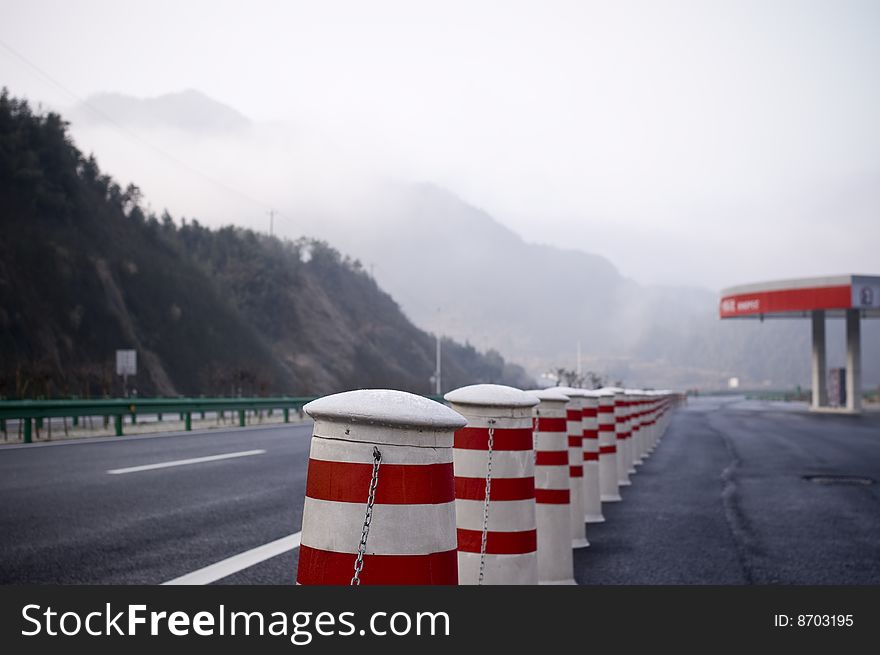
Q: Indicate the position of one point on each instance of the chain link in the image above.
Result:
(486, 504)
(536, 424)
(368, 518)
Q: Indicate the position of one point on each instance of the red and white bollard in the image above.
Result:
(621, 429)
(655, 416)
(671, 400)
(552, 489)
(495, 485)
(592, 490)
(608, 478)
(656, 410)
(663, 413)
(380, 499)
(645, 430)
(634, 429)
(634, 400)
(649, 423)
(574, 422)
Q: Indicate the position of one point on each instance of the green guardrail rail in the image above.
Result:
(34, 411)
(30, 411)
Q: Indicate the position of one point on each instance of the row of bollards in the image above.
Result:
(496, 488)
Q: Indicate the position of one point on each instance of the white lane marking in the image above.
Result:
(84, 441)
(236, 563)
(184, 462)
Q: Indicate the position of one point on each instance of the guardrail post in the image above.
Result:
(286, 415)
(75, 421)
(3, 425)
(159, 417)
(117, 424)
(27, 431)
(133, 418)
(203, 415)
(39, 424)
(187, 421)
(241, 420)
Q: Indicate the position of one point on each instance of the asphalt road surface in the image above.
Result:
(66, 519)
(723, 500)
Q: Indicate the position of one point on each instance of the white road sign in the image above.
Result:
(126, 362)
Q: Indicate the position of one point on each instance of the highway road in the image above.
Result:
(66, 519)
(723, 500)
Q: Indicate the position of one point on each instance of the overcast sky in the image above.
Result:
(706, 143)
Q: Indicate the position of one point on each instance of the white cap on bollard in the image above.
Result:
(380, 500)
(491, 395)
(495, 485)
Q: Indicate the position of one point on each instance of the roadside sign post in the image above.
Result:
(126, 364)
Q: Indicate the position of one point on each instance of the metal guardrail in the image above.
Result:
(31, 411)
(119, 408)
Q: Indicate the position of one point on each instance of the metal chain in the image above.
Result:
(368, 518)
(536, 424)
(486, 503)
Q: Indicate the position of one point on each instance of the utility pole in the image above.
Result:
(271, 213)
(579, 360)
(438, 386)
(437, 368)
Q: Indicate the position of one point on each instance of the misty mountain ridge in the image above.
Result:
(188, 110)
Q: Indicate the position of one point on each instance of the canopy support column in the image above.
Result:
(853, 361)
(820, 389)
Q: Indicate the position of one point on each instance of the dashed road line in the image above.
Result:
(184, 462)
(236, 563)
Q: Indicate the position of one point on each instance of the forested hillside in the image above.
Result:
(86, 270)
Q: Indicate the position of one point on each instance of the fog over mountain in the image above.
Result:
(691, 143)
(453, 267)
(187, 110)
(456, 269)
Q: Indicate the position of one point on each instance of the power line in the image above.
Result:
(133, 135)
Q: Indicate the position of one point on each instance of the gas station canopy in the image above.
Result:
(852, 297)
(799, 298)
